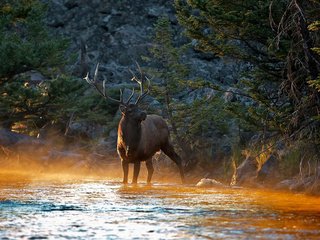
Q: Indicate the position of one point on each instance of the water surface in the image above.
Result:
(105, 209)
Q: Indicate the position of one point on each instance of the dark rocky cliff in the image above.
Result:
(117, 33)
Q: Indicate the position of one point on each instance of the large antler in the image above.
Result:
(141, 82)
(103, 92)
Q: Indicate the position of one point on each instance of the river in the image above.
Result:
(106, 209)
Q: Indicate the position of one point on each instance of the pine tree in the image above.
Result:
(24, 40)
(25, 45)
(273, 37)
(193, 122)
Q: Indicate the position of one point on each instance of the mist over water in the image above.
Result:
(72, 207)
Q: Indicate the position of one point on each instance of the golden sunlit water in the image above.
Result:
(106, 209)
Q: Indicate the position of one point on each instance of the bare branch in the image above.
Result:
(273, 25)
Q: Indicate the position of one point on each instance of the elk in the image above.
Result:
(140, 135)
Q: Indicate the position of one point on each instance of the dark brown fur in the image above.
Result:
(140, 136)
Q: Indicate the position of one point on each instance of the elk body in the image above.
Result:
(140, 135)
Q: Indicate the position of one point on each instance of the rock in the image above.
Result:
(314, 189)
(297, 184)
(71, 4)
(106, 19)
(120, 32)
(85, 130)
(285, 184)
(106, 147)
(268, 173)
(14, 147)
(156, 11)
(207, 182)
(246, 173)
(231, 95)
(60, 17)
(35, 77)
(12, 139)
(32, 77)
(197, 94)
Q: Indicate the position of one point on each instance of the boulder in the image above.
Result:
(269, 171)
(246, 173)
(207, 182)
(296, 184)
(12, 139)
(232, 94)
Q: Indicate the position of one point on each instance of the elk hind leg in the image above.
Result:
(136, 170)
(150, 169)
(169, 151)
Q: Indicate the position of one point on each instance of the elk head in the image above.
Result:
(128, 110)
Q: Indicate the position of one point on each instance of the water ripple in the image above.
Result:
(108, 210)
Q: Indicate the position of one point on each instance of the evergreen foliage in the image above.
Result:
(193, 121)
(273, 36)
(25, 45)
(24, 40)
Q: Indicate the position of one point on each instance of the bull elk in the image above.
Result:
(140, 135)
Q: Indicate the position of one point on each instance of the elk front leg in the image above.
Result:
(150, 170)
(125, 168)
(136, 171)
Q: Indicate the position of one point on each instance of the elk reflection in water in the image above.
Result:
(107, 209)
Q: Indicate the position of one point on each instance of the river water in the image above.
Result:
(106, 209)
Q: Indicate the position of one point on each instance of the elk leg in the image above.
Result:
(136, 170)
(125, 168)
(169, 151)
(150, 169)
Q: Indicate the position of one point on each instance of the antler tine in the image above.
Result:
(141, 72)
(120, 101)
(134, 78)
(93, 82)
(143, 93)
(96, 73)
(129, 99)
(140, 81)
(121, 96)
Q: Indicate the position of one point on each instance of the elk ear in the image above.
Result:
(143, 116)
(122, 109)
